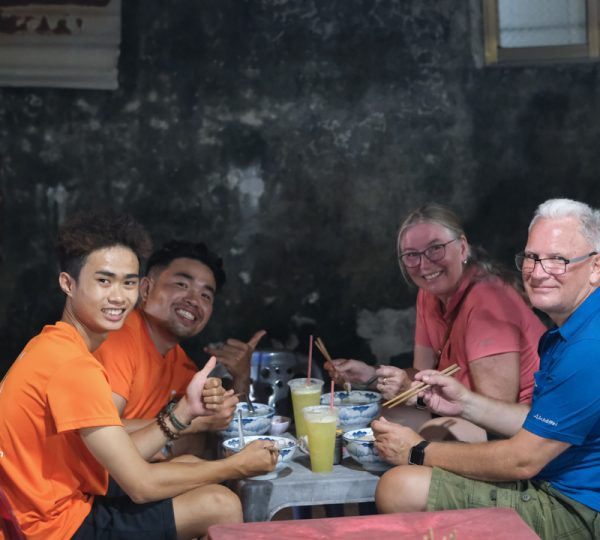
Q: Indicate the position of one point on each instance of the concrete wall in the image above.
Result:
(292, 137)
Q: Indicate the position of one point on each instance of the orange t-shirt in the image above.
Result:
(54, 388)
(139, 373)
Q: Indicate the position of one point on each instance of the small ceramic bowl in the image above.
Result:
(287, 448)
(257, 424)
(358, 408)
(360, 444)
(279, 424)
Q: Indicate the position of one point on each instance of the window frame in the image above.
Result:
(496, 55)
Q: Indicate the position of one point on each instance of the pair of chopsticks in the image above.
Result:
(411, 392)
(321, 346)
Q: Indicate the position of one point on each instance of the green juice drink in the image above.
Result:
(321, 423)
(305, 393)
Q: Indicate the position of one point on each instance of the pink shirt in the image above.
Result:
(492, 319)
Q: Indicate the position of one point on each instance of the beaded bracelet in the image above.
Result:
(177, 424)
(160, 420)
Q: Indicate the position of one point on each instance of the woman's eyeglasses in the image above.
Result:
(412, 259)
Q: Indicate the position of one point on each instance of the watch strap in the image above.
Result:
(417, 453)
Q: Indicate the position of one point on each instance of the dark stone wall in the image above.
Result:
(292, 137)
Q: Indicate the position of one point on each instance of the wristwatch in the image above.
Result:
(417, 453)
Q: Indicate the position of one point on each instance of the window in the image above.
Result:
(522, 31)
(55, 43)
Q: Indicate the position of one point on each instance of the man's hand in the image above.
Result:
(220, 419)
(393, 441)
(203, 395)
(446, 397)
(391, 381)
(236, 355)
(257, 457)
(343, 370)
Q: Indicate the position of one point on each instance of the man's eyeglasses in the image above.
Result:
(555, 266)
(412, 259)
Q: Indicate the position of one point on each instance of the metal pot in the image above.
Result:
(271, 370)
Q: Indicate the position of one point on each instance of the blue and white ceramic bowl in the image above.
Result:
(257, 424)
(287, 448)
(360, 444)
(358, 408)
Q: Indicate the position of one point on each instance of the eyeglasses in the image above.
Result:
(555, 266)
(412, 259)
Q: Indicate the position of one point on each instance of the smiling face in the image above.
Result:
(178, 301)
(103, 294)
(559, 296)
(442, 277)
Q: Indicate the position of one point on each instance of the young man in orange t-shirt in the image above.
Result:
(144, 361)
(61, 435)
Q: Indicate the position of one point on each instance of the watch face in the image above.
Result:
(417, 453)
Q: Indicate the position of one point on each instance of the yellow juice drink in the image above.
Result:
(304, 394)
(321, 422)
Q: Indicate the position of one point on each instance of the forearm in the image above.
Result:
(493, 415)
(167, 480)
(492, 461)
(148, 439)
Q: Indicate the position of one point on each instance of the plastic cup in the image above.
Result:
(305, 393)
(321, 423)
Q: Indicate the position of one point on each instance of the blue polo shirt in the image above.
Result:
(566, 402)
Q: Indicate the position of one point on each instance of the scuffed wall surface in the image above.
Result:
(292, 137)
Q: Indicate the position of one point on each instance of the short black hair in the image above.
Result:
(178, 249)
(86, 232)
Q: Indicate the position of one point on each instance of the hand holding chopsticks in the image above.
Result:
(321, 346)
(413, 391)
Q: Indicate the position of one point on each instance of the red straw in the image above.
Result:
(310, 348)
(331, 396)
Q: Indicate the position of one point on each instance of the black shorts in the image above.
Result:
(117, 517)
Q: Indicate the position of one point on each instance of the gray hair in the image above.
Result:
(563, 208)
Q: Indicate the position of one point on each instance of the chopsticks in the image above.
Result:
(411, 392)
(321, 346)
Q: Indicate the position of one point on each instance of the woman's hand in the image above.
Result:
(391, 381)
(343, 370)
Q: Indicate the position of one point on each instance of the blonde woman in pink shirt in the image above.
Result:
(469, 312)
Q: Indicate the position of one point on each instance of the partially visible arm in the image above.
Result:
(130, 425)
(448, 397)
(424, 358)
(497, 376)
(520, 457)
(145, 482)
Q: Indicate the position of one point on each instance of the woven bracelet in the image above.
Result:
(169, 434)
(177, 424)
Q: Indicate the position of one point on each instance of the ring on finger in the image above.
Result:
(384, 380)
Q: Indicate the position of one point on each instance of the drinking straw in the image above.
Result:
(331, 395)
(310, 348)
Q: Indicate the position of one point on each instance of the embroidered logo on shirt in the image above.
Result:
(545, 420)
